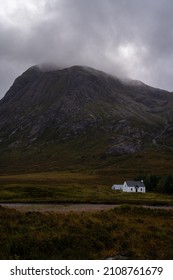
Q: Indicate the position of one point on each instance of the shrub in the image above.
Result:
(165, 184)
(162, 184)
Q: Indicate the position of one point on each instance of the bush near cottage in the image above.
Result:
(162, 184)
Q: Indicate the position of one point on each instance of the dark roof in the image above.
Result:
(135, 184)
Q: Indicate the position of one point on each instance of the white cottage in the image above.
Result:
(131, 186)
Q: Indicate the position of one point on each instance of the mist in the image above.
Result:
(127, 38)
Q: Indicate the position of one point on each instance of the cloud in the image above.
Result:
(131, 38)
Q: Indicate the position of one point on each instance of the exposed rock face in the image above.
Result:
(125, 145)
(55, 105)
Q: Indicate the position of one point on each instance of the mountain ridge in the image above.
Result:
(76, 103)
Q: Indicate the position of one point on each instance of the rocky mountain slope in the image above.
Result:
(89, 107)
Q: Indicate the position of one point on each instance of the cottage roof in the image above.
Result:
(139, 184)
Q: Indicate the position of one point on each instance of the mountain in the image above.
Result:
(80, 112)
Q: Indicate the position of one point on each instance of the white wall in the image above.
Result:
(117, 187)
(125, 188)
(132, 189)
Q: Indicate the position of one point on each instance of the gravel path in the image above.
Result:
(26, 207)
(64, 208)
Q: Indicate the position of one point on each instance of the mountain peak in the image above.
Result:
(49, 104)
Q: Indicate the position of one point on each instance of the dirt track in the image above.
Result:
(57, 207)
(64, 208)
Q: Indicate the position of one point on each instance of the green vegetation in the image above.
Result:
(72, 187)
(162, 184)
(79, 172)
(85, 152)
(124, 232)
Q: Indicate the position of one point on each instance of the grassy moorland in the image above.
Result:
(121, 233)
(71, 187)
(79, 172)
(127, 232)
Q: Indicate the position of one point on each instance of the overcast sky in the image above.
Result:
(129, 38)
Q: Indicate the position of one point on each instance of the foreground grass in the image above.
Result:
(71, 187)
(124, 232)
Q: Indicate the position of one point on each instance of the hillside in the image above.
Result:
(81, 116)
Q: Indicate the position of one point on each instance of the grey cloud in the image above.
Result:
(125, 37)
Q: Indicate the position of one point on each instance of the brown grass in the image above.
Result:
(124, 232)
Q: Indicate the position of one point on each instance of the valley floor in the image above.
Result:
(76, 215)
(72, 188)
